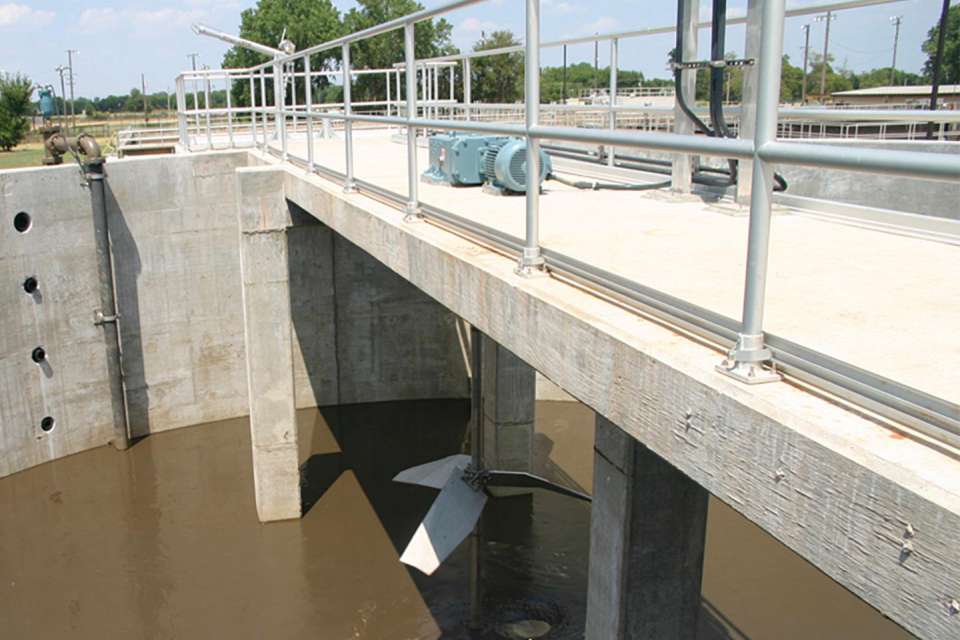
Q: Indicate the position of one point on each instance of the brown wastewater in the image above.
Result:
(163, 541)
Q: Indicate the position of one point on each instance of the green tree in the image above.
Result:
(950, 67)
(15, 109)
(580, 77)
(882, 78)
(306, 22)
(497, 78)
(431, 38)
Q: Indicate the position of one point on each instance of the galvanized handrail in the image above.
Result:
(747, 357)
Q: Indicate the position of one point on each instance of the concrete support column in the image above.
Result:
(647, 532)
(509, 399)
(264, 218)
(748, 110)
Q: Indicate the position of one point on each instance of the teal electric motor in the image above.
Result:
(471, 160)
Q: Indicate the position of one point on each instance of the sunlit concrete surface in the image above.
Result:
(881, 301)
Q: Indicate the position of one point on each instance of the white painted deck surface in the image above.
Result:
(884, 302)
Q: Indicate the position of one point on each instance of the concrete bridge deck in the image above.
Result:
(851, 292)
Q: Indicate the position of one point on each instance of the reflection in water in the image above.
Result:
(163, 542)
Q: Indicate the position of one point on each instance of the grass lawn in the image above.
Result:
(30, 154)
(26, 155)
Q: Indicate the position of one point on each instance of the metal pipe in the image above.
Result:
(410, 57)
(749, 353)
(229, 86)
(468, 87)
(206, 103)
(614, 62)
(253, 110)
(107, 316)
(308, 98)
(263, 104)
(204, 30)
(531, 260)
(349, 186)
(476, 454)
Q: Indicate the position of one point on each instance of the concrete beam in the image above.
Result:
(647, 530)
(264, 259)
(843, 491)
(509, 404)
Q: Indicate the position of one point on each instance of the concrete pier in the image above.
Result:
(264, 218)
(509, 399)
(647, 533)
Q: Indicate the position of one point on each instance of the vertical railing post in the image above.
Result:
(467, 87)
(229, 85)
(279, 102)
(253, 111)
(206, 104)
(308, 98)
(387, 77)
(196, 106)
(181, 113)
(349, 186)
(614, 63)
(410, 57)
(531, 260)
(263, 105)
(746, 358)
(748, 102)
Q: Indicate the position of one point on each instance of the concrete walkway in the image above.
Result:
(881, 301)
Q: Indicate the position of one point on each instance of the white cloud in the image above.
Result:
(105, 19)
(474, 25)
(561, 6)
(12, 13)
(603, 24)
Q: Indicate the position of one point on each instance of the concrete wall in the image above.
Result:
(73, 387)
(884, 192)
(363, 334)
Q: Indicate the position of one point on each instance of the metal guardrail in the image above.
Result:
(750, 350)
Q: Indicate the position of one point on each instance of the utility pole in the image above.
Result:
(563, 83)
(828, 17)
(143, 92)
(63, 99)
(896, 20)
(937, 62)
(73, 111)
(806, 57)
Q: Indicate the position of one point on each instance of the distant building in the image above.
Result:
(916, 96)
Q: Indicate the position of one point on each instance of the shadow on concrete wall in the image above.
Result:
(127, 266)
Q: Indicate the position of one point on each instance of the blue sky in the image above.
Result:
(119, 40)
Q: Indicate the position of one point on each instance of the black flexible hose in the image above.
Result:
(594, 185)
(678, 79)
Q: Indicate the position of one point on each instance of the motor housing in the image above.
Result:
(470, 160)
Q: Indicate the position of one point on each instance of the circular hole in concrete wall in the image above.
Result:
(38, 355)
(30, 285)
(47, 424)
(22, 222)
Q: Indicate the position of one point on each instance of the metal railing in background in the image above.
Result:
(750, 353)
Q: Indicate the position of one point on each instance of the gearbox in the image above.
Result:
(470, 160)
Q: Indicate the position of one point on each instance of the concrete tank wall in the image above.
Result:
(73, 386)
(363, 333)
